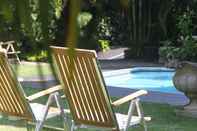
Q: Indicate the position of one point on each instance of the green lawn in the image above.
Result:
(29, 70)
(163, 118)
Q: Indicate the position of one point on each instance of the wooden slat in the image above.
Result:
(92, 93)
(77, 52)
(130, 97)
(12, 89)
(75, 88)
(12, 101)
(6, 95)
(92, 106)
(81, 84)
(99, 84)
(84, 87)
(44, 92)
(62, 72)
(97, 90)
(2, 103)
(10, 94)
(9, 84)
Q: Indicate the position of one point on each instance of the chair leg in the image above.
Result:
(29, 128)
(141, 113)
(130, 113)
(59, 105)
(145, 126)
(18, 59)
(39, 124)
(73, 126)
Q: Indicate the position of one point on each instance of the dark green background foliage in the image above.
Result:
(138, 24)
(30, 22)
(181, 28)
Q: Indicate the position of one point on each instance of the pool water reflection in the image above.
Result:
(149, 78)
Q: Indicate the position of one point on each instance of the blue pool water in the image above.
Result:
(149, 78)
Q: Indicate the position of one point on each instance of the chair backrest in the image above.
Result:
(84, 87)
(12, 99)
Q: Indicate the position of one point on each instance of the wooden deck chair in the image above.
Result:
(9, 46)
(85, 91)
(13, 101)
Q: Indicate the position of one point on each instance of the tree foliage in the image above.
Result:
(182, 28)
(134, 23)
(32, 22)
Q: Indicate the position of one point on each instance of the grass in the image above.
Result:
(32, 70)
(12, 125)
(163, 115)
(163, 118)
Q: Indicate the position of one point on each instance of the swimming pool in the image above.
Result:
(149, 78)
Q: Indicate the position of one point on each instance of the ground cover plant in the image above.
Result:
(163, 118)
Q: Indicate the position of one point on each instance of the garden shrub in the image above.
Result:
(31, 23)
(41, 56)
(184, 47)
(104, 45)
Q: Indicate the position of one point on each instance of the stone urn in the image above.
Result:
(185, 80)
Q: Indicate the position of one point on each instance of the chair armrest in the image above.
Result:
(129, 97)
(7, 42)
(44, 92)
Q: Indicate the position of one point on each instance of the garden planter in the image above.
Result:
(185, 80)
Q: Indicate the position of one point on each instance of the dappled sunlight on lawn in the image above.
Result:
(11, 128)
(11, 125)
(32, 69)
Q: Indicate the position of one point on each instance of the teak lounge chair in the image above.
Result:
(10, 50)
(13, 101)
(85, 91)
